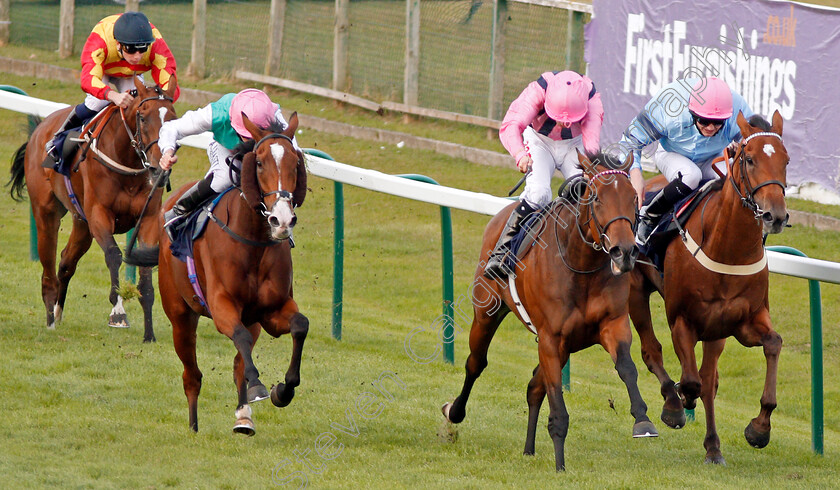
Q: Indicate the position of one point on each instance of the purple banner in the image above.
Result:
(777, 55)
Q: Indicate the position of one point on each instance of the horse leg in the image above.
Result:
(535, 397)
(553, 357)
(709, 375)
(288, 319)
(101, 224)
(147, 300)
(673, 414)
(684, 340)
(616, 339)
(47, 221)
(227, 317)
(761, 333)
(244, 422)
(77, 246)
(481, 334)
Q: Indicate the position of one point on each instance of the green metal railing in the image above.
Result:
(817, 421)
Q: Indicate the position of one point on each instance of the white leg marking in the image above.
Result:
(243, 412)
(57, 311)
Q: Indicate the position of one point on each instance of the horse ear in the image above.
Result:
(778, 122)
(292, 126)
(746, 129)
(584, 162)
(252, 128)
(138, 84)
(173, 86)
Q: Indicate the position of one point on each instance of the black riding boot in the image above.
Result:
(75, 119)
(187, 203)
(495, 264)
(661, 203)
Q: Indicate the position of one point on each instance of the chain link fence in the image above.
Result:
(455, 57)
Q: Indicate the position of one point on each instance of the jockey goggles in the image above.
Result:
(134, 48)
(705, 121)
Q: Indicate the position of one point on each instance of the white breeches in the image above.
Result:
(548, 155)
(121, 84)
(218, 155)
(673, 164)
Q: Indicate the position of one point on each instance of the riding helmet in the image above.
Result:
(133, 28)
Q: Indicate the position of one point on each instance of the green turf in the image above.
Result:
(90, 406)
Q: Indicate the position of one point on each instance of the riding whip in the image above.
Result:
(519, 184)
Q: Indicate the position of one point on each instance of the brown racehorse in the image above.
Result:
(111, 185)
(722, 290)
(574, 292)
(244, 269)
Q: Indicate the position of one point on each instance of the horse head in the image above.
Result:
(274, 175)
(151, 108)
(760, 170)
(610, 210)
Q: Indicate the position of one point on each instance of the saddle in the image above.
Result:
(533, 226)
(192, 227)
(674, 222)
(67, 143)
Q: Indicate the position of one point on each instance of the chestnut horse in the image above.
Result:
(719, 289)
(112, 180)
(573, 293)
(244, 268)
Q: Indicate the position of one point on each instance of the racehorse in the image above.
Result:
(244, 268)
(109, 187)
(719, 288)
(572, 290)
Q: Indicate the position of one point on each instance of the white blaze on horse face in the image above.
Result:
(162, 113)
(281, 212)
(768, 149)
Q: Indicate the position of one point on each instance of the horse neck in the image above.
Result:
(576, 252)
(729, 231)
(118, 143)
(243, 220)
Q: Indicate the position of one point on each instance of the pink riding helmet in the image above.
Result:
(567, 97)
(256, 105)
(711, 98)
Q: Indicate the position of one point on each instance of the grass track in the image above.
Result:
(89, 406)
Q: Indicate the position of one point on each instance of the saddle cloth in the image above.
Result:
(190, 228)
(672, 222)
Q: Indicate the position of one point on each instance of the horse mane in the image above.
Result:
(758, 121)
(605, 161)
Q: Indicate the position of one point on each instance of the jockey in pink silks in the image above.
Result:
(554, 117)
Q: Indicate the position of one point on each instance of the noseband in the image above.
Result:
(282, 195)
(748, 197)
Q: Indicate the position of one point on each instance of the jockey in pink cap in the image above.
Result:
(223, 118)
(689, 140)
(554, 117)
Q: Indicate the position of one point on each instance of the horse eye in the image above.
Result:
(259, 163)
(749, 160)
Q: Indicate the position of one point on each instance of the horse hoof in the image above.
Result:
(281, 395)
(755, 438)
(455, 417)
(118, 321)
(244, 426)
(716, 458)
(644, 428)
(445, 410)
(674, 419)
(257, 392)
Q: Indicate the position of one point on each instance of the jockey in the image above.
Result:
(224, 119)
(118, 47)
(556, 115)
(689, 139)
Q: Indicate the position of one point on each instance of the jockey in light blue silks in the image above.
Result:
(693, 120)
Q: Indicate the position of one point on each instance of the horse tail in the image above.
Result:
(18, 180)
(141, 256)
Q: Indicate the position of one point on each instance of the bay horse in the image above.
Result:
(573, 291)
(719, 288)
(111, 183)
(244, 269)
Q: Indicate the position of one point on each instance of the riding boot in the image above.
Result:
(661, 203)
(495, 264)
(187, 203)
(75, 119)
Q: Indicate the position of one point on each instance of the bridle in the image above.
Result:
(282, 195)
(602, 245)
(748, 196)
(137, 137)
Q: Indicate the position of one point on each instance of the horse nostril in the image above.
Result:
(635, 252)
(767, 217)
(294, 221)
(616, 253)
(273, 221)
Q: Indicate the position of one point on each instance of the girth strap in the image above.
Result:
(720, 268)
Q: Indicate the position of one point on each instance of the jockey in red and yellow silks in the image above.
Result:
(101, 56)
(119, 47)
